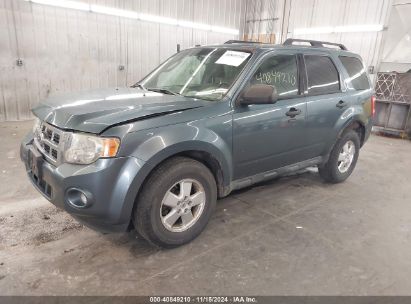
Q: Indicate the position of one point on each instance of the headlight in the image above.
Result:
(36, 126)
(85, 149)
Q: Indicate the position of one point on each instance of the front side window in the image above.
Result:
(322, 75)
(205, 73)
(356, 72)
(279, 71)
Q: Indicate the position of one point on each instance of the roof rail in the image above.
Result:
(314, 43)
(241, 41)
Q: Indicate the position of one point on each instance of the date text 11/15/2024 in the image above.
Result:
(203, 299)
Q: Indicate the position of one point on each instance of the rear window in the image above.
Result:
(322, 75)
(356, 72)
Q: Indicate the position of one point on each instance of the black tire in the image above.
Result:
(147, 219)
(330, 171)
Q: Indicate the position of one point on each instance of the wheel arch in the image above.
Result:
(212, 164)
(202, 153)
(356, 124)
(215, 157)
(220, 169)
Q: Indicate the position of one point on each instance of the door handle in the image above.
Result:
(341, 104)
(293, 112)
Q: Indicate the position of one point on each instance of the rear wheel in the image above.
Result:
(176, 202)
(343, 158)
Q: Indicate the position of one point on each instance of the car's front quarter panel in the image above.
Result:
(212, 135)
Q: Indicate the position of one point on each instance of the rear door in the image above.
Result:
(326, 100)
(269, 136)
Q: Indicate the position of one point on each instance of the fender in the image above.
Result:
(197, 146)
(153, 146)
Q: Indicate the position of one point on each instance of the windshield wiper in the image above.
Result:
(159, 90)
(138, 85)
(164, 91)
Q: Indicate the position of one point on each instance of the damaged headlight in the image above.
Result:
(37, 124)
(86, 149)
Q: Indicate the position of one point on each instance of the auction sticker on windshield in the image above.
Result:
(233, 58)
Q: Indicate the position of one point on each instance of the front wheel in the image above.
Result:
(343, 158)
(176, 202)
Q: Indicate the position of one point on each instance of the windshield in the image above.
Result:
(205, 73)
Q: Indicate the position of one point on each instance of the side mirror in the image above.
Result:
(258, 94)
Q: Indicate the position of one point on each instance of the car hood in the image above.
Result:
(94, 111)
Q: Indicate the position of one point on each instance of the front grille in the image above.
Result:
(56, 138)
(54, 153)
(47, 140)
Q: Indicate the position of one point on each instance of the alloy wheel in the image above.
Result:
(346, 156)
(182, 205)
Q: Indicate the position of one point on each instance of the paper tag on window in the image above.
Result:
(233, 58)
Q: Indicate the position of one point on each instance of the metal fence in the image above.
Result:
(393, 103)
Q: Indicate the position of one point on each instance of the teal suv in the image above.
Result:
(156, 156)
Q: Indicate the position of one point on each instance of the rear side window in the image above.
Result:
(356, 71)
(322, 75)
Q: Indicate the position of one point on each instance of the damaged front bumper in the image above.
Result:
(107, 186)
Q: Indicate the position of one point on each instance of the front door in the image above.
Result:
(270, 136)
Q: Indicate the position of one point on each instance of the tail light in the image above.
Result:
(372, 105)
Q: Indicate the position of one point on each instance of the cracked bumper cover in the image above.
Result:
(112, 184)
